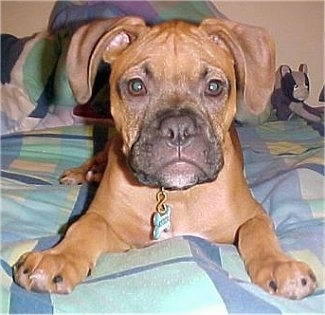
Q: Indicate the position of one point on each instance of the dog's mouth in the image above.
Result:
(176, 150)
(181, 174)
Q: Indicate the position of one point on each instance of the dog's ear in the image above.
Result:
(254, 54)
(94, 42)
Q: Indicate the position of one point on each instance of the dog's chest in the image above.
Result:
(203, 218)
(141, 224)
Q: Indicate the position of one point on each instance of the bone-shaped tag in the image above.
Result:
(161, 222)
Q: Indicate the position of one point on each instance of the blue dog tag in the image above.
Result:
(161, 222)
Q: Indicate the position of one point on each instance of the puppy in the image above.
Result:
(174, 166)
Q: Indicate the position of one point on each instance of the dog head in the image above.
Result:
(175, 90)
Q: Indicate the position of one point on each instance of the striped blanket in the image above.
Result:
(284, 166)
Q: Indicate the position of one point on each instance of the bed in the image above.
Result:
(284, 166)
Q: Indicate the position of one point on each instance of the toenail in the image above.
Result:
(89, 273)
(273, 286)
(57, 279)
(303, 282)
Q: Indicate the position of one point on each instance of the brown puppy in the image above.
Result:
(175, 90)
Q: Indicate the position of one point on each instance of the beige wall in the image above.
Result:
(297, 27)
(24, 18)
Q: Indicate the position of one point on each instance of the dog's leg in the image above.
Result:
(90, 171)
(60, 268)
(266, 263)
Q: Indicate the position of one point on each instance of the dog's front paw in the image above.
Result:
(49, 272)
(288, 278)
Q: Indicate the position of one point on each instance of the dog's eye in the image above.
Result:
(214, 87)
(136, 87)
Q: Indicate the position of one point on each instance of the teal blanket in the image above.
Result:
(284, 165)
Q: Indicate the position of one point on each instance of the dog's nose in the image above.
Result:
(178, 130)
